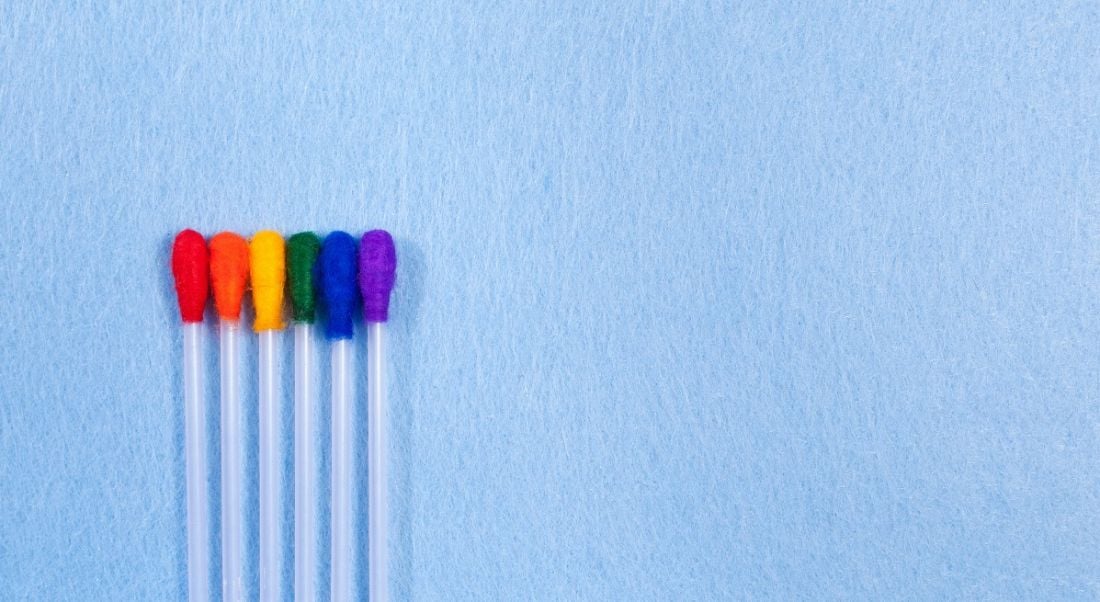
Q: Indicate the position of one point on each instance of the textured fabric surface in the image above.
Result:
(699, 300)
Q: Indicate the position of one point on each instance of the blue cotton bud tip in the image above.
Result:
(337, 284)
(377, 266)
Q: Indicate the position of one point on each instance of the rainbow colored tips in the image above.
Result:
(337, 267)
(301, 256)
(229, 257)
(340, 270)
(190, 262)
(268, 261)
(377, 267)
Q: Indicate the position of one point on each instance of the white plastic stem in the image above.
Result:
(271, 541)
(377, 461)
(232, 467)
(305, 463)
(341, 471)
(198, 517)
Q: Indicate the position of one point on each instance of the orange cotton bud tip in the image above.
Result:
(189, 268)
(228, 273)
(268, 279)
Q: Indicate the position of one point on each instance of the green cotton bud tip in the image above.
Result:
(301, 256)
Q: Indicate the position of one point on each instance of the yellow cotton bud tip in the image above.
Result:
(268, 259)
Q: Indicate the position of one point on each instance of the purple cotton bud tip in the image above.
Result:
(377, 264)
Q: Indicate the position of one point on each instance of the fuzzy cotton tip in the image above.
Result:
(268, 268)
(228, 273)
(377, 268)
(301, 257)
(190, 261)
(336, 281)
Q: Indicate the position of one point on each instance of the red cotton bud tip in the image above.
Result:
(190, 267)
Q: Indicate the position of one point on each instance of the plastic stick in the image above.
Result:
(305, 463)
(377, 461)
(271, 541)
(232, 467)
(341, 470)
(198, 519)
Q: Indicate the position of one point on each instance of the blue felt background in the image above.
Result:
(788, 300)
